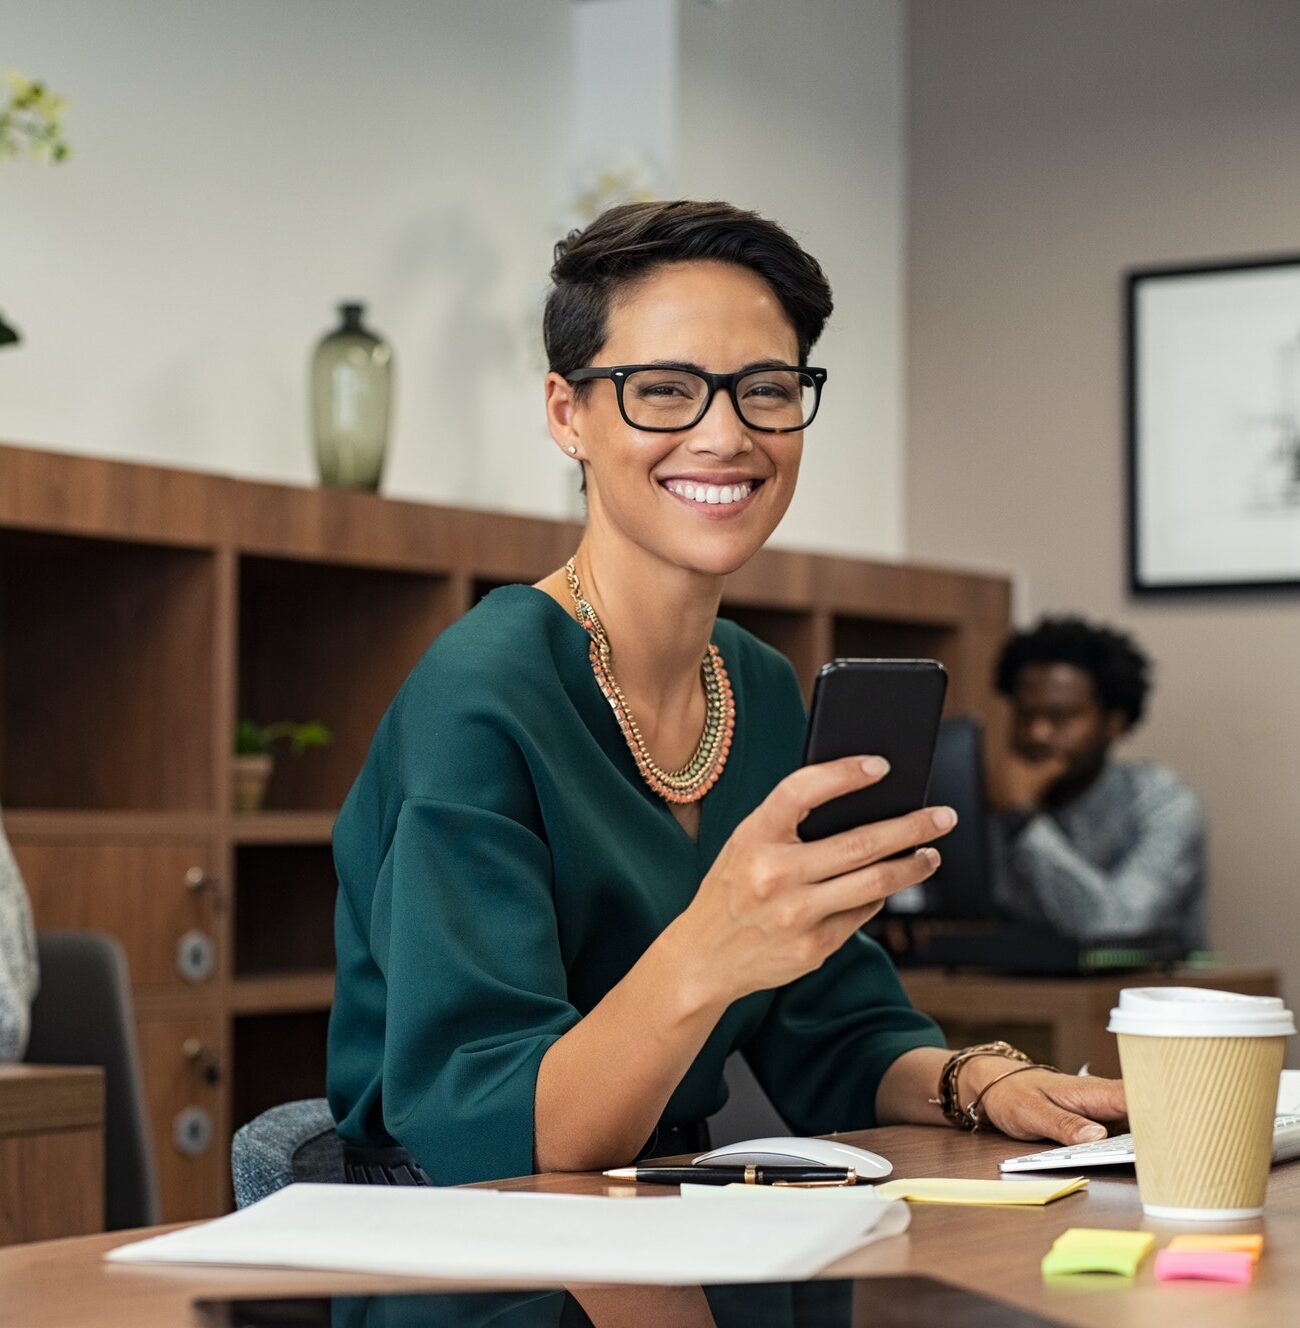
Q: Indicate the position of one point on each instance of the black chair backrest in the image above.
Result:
(748, 1112)
(82, 1015)
(963, 885)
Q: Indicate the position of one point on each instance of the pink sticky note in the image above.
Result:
(1207, 1265)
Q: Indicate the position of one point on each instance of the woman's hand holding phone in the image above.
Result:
(773, 907)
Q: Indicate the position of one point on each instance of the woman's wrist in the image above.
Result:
(981, 1071)
(905, 1089)
(968, 1074)
(909, 1092)
(691, 981)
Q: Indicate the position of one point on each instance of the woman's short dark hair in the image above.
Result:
(593, 266)
(1120, 672)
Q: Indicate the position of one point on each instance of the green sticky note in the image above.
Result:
(1097, 1250)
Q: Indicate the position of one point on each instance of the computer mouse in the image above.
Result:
(791, 1152)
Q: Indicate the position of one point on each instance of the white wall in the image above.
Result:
(1053, 146)
(797, 110)
(238, 167)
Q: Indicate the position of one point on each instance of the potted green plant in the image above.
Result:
(255, 757)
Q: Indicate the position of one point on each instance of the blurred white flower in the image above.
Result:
(31, 120)
(31, 126)
(626, 178)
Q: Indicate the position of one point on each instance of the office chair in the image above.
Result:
(292, 1142)
(748, 1112)
(83, 1015)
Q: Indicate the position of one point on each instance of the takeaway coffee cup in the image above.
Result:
(1201, 1071)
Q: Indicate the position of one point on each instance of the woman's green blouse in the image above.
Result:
(502, 865)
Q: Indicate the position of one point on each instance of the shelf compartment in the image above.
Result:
(794, 633)
(293, 993)
(284, 909)
(283, 828)
(872, 638)
(276, 1058)
(105, 645)
(329, 643)
(481, 586)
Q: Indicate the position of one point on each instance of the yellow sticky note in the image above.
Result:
(1097, 1250)
(1013, 1193)
(1242, 1244)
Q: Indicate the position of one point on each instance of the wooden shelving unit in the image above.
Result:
(282, 828)
(304, 992)
(143, 609)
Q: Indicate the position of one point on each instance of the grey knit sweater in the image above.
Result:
(1124, 860)
(17, 957)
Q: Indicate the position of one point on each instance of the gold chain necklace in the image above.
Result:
(701, 772)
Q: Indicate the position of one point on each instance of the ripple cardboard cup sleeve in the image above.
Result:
(1201, 1072)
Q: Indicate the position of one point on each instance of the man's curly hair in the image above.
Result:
(1120, 672)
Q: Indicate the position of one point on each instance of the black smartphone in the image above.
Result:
(875, 707)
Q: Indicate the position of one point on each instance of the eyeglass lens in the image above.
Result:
(676, 398)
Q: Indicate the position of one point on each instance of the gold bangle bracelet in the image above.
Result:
(949, 1096)
(972, 1112)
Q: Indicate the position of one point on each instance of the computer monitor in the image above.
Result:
(962, 888)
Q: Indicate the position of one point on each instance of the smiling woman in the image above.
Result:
(571, 880)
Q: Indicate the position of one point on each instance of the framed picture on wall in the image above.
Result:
(1213, 385)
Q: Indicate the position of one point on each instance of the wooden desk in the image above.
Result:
(51, 1152)
(1058, 1020)
(994, 1251)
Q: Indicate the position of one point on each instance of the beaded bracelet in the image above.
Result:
(949, 1099)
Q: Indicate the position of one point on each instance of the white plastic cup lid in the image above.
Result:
(1198, 1012)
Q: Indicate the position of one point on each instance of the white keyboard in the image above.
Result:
(1117, 1151)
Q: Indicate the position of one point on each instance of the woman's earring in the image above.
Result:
(573, 451)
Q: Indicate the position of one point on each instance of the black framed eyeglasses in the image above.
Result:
(666, 398)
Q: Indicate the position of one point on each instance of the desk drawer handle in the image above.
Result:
(198, 882)
(203, 1058)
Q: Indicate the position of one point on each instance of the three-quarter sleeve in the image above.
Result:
(1133, 868)
(830, 1036)
(451, 984)
(465, 924)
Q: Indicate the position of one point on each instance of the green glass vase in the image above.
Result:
(351, 395)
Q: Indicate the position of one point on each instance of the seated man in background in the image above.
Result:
(1096, 850)
(17, 958)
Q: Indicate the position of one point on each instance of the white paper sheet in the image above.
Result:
(876, 1217)
(535, 1238)
(1288, 1093)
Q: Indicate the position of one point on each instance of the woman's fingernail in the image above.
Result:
(876, 765)
(1091, 1133)
(929, 855)
(944, 817)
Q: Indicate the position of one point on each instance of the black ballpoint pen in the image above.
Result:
(805, 1177)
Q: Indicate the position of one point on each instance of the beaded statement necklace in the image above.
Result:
(701, 772)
